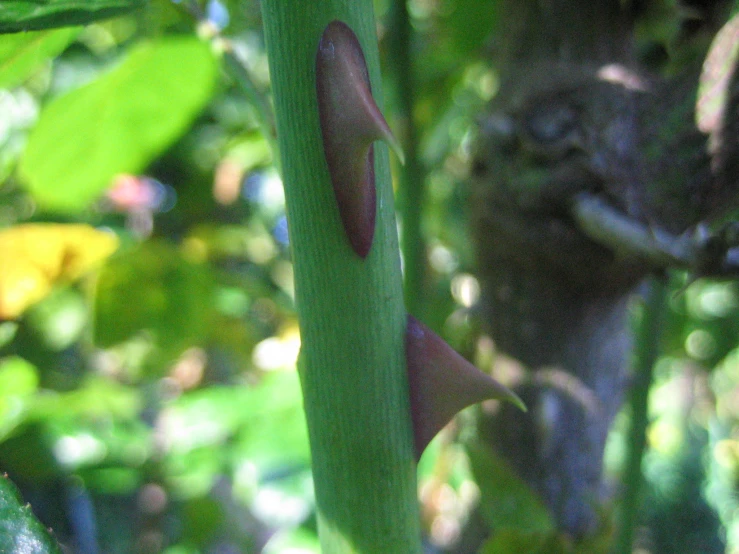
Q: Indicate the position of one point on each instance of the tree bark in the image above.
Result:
(574, 114)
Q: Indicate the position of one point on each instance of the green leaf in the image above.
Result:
(118, 123)
(21, 54)
(20, 531)
(17, 377)
(507, 502)
(263, 424)
(266, 418)
(97, 397)
(153, 290)
(293, 540)
(32, 15)
(59, 319)
(469, 24)
(274, 431)
(18, 381)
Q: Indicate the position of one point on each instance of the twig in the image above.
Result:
(699, 251)
(238, 72)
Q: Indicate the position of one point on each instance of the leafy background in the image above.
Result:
(148, 395)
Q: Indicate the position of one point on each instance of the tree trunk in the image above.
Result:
(574, 114)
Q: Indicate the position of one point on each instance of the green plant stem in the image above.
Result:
(351, 311)
(411, 191)
(646, 354)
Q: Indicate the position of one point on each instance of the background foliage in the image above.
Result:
(148, 398)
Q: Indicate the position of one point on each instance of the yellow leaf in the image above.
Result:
(35, 256)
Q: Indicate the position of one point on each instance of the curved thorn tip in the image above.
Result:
(442, 383)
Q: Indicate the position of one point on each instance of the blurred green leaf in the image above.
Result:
(154, 290)
(8, 331)
(96, 423)
(514, 541)
(100, 446)
(20, 531)
(293, 540)
(517, 541)
(267, 418)
(97, 397)
(17, 377)
(118, 123)
(260, 428)
(114, 480)
(29, 15)
(59, 319)
(469, 24)
(506, 502)
(202, 517)
(18, 381)
(27, 454)
(21, 54)
(181, 549)
(276, 431)
(192, 474)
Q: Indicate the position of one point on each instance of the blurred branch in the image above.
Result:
(699, 251)
(646, 351)
(237, 70)
(411, 190)
(258, 98)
